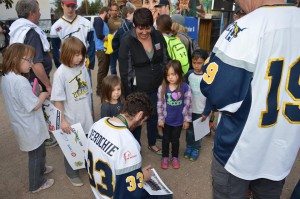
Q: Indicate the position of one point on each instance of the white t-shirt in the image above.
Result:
(28, 125)
(198, 99)
(64, 29)
(253, 78)
(114, 161)
(73, 87)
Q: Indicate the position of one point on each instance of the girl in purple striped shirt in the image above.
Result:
(174, 111)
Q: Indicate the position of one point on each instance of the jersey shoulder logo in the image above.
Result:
(233, 31)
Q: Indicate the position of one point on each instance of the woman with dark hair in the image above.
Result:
(142, 58)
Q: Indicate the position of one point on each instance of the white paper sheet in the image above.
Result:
(201, 129)
(155, 186)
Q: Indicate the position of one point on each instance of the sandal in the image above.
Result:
(158, 151)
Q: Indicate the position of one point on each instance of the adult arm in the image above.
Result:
(33, 39)
(98, 27)
(91, 49)
(56, 42)
(126, 68)
(207, 109)
(116, 40)
(166, 57)
(40, 72)
(224, 85)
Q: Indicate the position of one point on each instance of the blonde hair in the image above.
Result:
(13, 55)
(70, 48)
(176, 27)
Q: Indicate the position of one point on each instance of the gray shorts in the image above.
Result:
(226, 185)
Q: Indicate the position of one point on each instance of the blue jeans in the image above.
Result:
(36, 167)
(152, 131)
(113, 62)
(190, 136)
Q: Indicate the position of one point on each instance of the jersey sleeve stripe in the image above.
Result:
(128, 169)
(233, 62)
(232, 107)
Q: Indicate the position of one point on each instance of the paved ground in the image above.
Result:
(192, 181)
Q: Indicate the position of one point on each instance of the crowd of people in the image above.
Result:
(165, 81)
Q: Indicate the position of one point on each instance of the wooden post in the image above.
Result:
(204, 35)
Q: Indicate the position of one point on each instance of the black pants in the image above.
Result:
(171, 134)
(228, 186)
(103, 67)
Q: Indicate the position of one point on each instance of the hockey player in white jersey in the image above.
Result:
(252, 78)
(71, 24)
(113, 158)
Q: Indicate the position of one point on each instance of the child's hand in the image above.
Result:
(203, 117)
(161, 124)
(44, 95)
(147, 172)
(65, 126)
(49, 89)
(185, 125)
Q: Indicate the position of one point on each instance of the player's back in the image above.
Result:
(113, 156)
(260, 137)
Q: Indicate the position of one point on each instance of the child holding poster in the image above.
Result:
(199, 107)
(71, 94)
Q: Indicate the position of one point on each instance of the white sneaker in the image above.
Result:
(46, 185)
(76, 182)
(48, 169)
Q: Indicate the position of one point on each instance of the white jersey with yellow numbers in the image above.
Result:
(253, 78)
(113, 161)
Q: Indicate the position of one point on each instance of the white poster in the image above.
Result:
(72, 145)
(201, 129)
(52, 116)
(155, 186)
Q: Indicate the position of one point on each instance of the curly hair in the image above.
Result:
(136, 102)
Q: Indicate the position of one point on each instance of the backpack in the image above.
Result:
(177, 51)
(191, 45)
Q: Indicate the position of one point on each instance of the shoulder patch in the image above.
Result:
(233, 31)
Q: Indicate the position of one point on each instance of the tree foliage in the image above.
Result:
(85, 8)
(8, 3)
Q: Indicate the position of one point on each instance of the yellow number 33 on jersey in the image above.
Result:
(210, 73)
